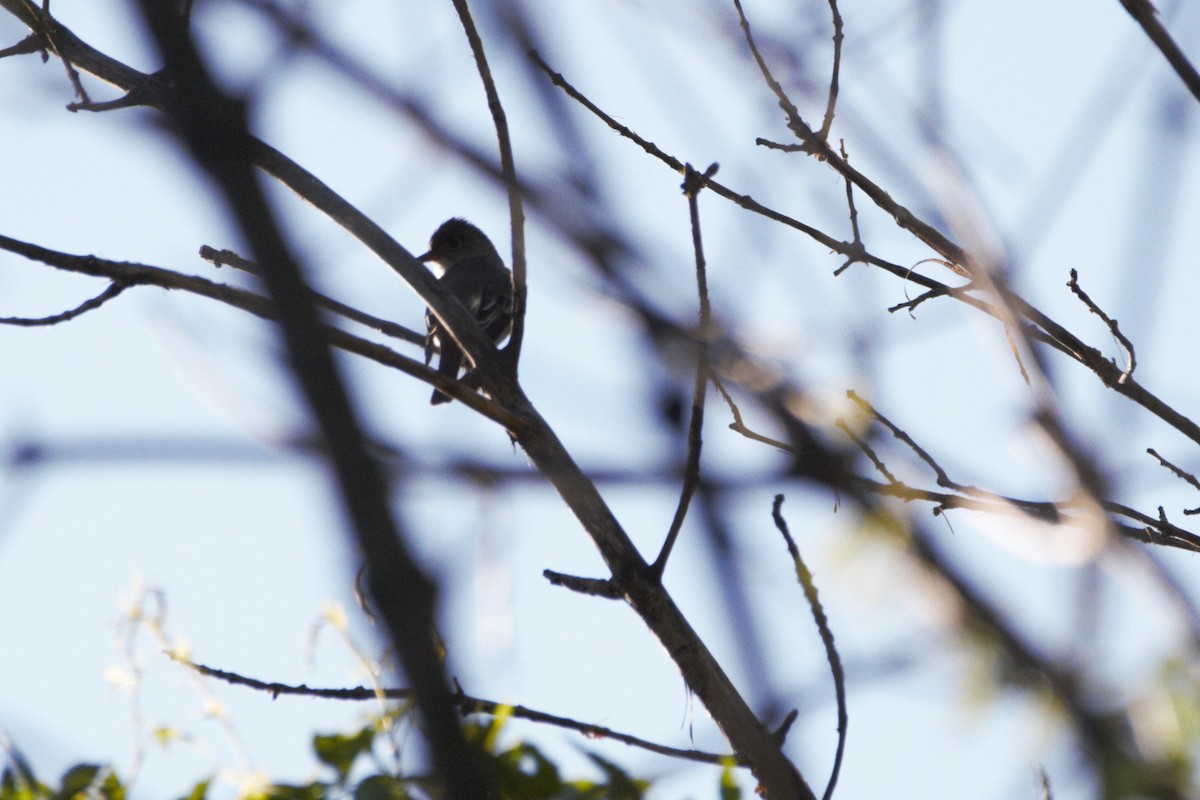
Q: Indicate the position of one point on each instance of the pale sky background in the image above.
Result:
(161, 414)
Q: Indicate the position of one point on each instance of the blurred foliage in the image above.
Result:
(519, 772)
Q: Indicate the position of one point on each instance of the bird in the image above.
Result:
(476, 275)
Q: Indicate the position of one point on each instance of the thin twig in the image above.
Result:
(49, 36)
(144, 274)
(593, 587)
(956, 257)
(508, 168)
(1180, 473)
(739, 426)
(1054, 336)
(114, 289)
(466, 705)
(831, 654)
(229, 258)
(1130, 358)
(868, 451)
(809, 140)
(833, 80)
(693, 184)
(943, 479)
(32, 43)
(1149, 530)
(857, 243)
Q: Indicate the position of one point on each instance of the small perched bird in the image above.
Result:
(476, 275)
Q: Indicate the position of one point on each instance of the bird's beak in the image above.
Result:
(426, 257)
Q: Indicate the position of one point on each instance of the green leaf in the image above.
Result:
(111, 787)
(729, 785)
(311, 791)
(381, 787)
(339, 751)
(21, 785)
(199, 791)
(525, 773)
(77, 780)
(621, 786)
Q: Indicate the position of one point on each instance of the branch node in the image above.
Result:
(782, 731)
(596, 587)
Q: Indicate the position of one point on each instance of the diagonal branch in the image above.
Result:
(132, 273)
(1144, 13)
(1041, 328)
(156, 92)
(214, 129)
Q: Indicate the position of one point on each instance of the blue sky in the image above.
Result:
(162, 415)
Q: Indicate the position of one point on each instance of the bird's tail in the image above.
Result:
(451, 360)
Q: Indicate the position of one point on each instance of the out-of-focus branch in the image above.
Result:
(214, 129)
(1103, 736)
(1043, 329)
(134, 274)
(229, 258)
(748, 736)
(1010, 309)
(154, 91)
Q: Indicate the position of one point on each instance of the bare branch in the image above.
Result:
(214, 129)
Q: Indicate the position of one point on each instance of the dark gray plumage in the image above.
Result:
(476, 275)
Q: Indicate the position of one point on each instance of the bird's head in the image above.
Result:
(454, 240)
